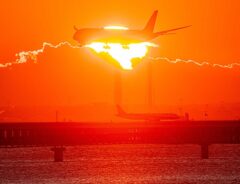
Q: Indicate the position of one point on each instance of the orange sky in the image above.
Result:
(66, 76)
(213, 37)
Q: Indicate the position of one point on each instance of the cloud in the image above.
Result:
(226, 66)
(24, 56)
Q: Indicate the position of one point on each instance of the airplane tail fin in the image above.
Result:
(75, 28)
(120, 110)
(151, 23)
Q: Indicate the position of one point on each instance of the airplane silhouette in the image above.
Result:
(147, 116)
(122, 35)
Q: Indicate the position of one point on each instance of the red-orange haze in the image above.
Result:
(79, 83)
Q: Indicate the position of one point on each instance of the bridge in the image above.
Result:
(58, 135)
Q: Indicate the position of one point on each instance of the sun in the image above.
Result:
(122, 53)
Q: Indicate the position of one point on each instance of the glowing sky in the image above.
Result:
(214, 35)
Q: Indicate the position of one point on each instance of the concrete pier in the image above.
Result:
(204, 151)
(58, 153)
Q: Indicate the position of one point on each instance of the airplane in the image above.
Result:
(147, 116)
(116, 34)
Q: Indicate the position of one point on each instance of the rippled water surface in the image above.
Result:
(122, 164)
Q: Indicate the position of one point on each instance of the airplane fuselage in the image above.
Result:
(87, 36)
(150, 117)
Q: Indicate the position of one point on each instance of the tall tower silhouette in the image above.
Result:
(118, 88)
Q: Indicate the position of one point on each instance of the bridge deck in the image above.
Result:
(167, 132)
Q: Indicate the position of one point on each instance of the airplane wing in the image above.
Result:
(170, 30)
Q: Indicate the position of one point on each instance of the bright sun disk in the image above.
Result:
(122, 53)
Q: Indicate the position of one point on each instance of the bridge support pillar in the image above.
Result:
(58, 153)
(204, 151)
